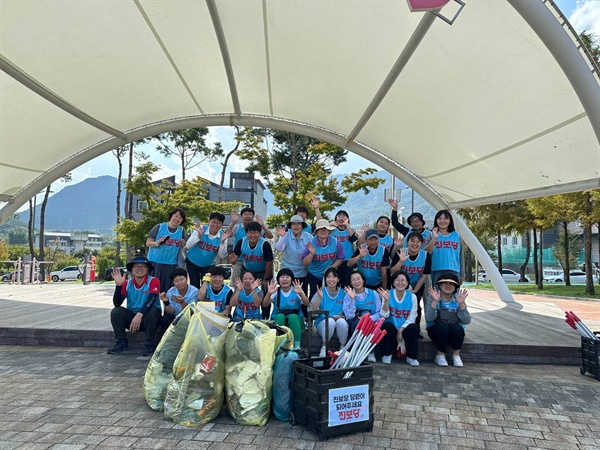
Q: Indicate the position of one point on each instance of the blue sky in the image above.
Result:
(582, 14)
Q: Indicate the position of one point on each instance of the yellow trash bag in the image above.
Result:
(160, 367)
(250, 354)
(195, 393)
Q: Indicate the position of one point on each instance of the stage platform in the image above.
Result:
(531, 330)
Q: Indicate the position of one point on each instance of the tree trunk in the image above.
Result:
(119, 176)
(182, 166)
(30, 227)
(42, 225)
(540, 283)
(567, 256)
(224, 164)
(499, 245)
(523, 266)
(535, 256)
(469, 264)
(129, 199)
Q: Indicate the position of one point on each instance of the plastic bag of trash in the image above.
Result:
(195, 393)
(160, 367)
(250, 353)
(283, 384)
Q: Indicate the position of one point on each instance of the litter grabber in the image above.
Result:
(575, 322)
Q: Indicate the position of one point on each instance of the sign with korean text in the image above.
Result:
(348, 405)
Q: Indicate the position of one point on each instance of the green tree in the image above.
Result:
(570, 250)
(17, 237)
(189, 146)
(297, 168)
(190, 196)
(592, 43)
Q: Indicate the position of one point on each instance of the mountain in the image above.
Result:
(90, 205)
(85, 206)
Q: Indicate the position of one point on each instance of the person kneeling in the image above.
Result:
(143, 305)
(287, 299)
(447, 317)
(399, 308)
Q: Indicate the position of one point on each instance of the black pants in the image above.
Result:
(163, 273)
(443, 334)
(420, 300)
(344, 273)
(196, 273)
(389, 343)
(120, 319)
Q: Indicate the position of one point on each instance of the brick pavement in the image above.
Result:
(76, 398)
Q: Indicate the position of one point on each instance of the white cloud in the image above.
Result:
(586, 16)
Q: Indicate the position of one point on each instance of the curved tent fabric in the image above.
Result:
(480, 112)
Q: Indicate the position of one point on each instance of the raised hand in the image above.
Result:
(232, 258)
(238, 284)
(314, 202)
(434, 294)
(403, 255)
(351, 292)
(366, 226)
(260, 220)
(384, 294)
(235, 217)
(281, 230)
(319, 292)
(272, 287)
(118, 277)
(393, 203)
(461, 296)
(435, 232)
(298, 286)
(311, 248)
(363, 250)
(257, 283)
(225, 235)
(398, 242)
(199, 228)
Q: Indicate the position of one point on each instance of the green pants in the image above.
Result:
(294, 322)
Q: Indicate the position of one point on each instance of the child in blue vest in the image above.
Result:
(399, 307)
(247, 298)
(447, 317)
(287, 299)
(214, 289)
(447, 253)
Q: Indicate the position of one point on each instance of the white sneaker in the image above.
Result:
(457, 361)
(371, 357)
(413, 362)
(387, 359)
(323, 352)
(440, 360)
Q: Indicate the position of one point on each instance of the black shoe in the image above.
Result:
(120, 346)
(148, 350)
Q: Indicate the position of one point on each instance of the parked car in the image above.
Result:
(510, 276)
(67, 273)
(227, 268)
(576, 276)
(16, 275)
(108, 273)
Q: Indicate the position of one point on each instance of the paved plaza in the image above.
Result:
(80, 398)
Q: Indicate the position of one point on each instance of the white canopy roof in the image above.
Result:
(499, 105)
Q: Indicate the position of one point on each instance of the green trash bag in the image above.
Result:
(160, 367)
(250, 354)
(195, 392)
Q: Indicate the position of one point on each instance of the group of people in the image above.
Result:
(325, 266)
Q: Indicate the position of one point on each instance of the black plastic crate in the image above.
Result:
(590, 356)
(351, 405)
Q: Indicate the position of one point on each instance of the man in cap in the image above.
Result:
(373, 260)
(143, 305)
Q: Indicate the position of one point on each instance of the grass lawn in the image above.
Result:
(558, 289)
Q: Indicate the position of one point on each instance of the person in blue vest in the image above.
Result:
(330, 298)
(447, 255)
(416, 262)
(237, 228)
(372, 260)
(204, 245)
(214, 289)
(416, 223)
(164, 243)
(346, 236)
(321, 253)
(382, 225)
(177, 298)
(360, 300)
(287, 297)
(143, 305)
(399, 308)
(447, 317)
(247, 298)
(291, 243)
(256, 255)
